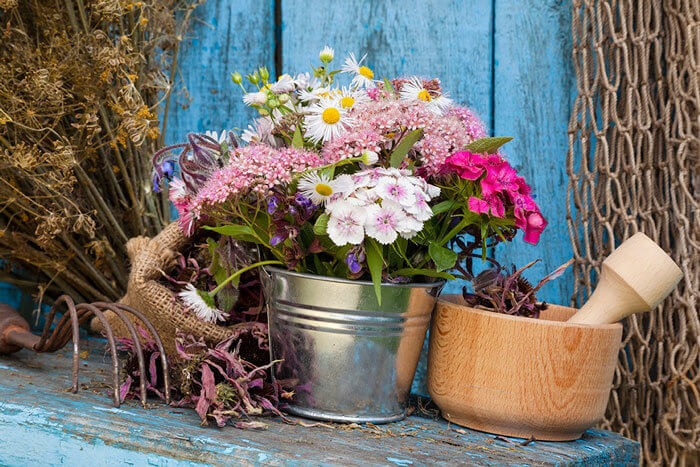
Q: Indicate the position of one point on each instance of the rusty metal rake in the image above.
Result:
(15, 335)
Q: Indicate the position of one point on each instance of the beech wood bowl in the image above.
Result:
(521, 377)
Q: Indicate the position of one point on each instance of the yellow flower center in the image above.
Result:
(323, 189)
(366, 72)
(331, 116)
(347, 102)
(424, 96)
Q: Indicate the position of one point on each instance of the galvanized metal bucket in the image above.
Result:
(350, 359)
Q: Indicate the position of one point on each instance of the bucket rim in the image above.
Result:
(437, 283)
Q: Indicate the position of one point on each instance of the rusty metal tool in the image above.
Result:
(15, 334)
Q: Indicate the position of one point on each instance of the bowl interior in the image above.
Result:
(554, 313)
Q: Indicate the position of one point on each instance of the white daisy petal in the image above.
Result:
(285, 83)
(326, 120)
(255, 98)
(414, 91)
(362, 75)
(193, 301)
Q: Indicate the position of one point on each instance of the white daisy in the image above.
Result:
(220, 138)
(202, 304)
(319, 188)
(285, 83)
(346, 224)
(315, 94)
(413, 90)
(349, 98)
(383, 221)
(260, 132)
(363, 76)
(304, 81)
(326, 120)
(326, 55)
(255, 98)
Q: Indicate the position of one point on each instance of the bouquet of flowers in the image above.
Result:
(350, 176)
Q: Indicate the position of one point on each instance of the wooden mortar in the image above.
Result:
(523, 377)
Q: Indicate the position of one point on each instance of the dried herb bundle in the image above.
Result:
(81, 83)
(497, 290)
(228, 383)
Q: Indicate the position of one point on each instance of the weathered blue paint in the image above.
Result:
(534, 85)
(450, 39)
(41, 421)
(230, 36)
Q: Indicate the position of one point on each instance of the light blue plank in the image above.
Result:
(43, 423)
(230, 36)
(533, 93)
(449, 39)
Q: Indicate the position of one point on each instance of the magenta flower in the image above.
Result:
(478, 206)
(466, 165)
(534, 227)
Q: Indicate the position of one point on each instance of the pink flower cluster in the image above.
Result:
(255, 168)
(501, 187)
(377, 120)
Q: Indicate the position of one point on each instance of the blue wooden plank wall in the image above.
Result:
(507, 59)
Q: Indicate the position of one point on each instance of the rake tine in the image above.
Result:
(137, 343)
(112, 348)
(159, 343)
(46, 343)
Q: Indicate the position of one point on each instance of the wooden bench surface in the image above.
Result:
(41, 421)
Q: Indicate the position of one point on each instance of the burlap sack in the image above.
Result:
(145, 293)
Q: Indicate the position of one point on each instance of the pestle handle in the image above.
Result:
(636, 277)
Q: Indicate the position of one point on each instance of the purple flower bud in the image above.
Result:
(168, 169)
(272, 204)
(352, 261)
(276, 240)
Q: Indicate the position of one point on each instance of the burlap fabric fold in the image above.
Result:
(148, 257)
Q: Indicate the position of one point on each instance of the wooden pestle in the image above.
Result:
(636, 277)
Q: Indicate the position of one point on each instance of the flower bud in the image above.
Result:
(273, 103)
(369, 157)
(236, 78)
(263, 112)
(283, 98)
(264, 74)
(326, 55)
(253, 78)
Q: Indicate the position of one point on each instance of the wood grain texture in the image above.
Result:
(520, 376)
(449, 39)
(635, 278)
(533, 91)
(230, 36)
(42, 422)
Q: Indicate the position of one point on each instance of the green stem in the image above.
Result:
(213, 293)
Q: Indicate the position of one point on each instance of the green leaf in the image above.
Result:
(375, 262)
(298, 139)
(444, 258)
(239, 232)
(468, 218)
(445, 206)
(321, 225)
(487, 145)
(404, 146)
(424, 272)
(388, 86)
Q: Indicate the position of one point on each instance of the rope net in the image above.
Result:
(633, 165)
